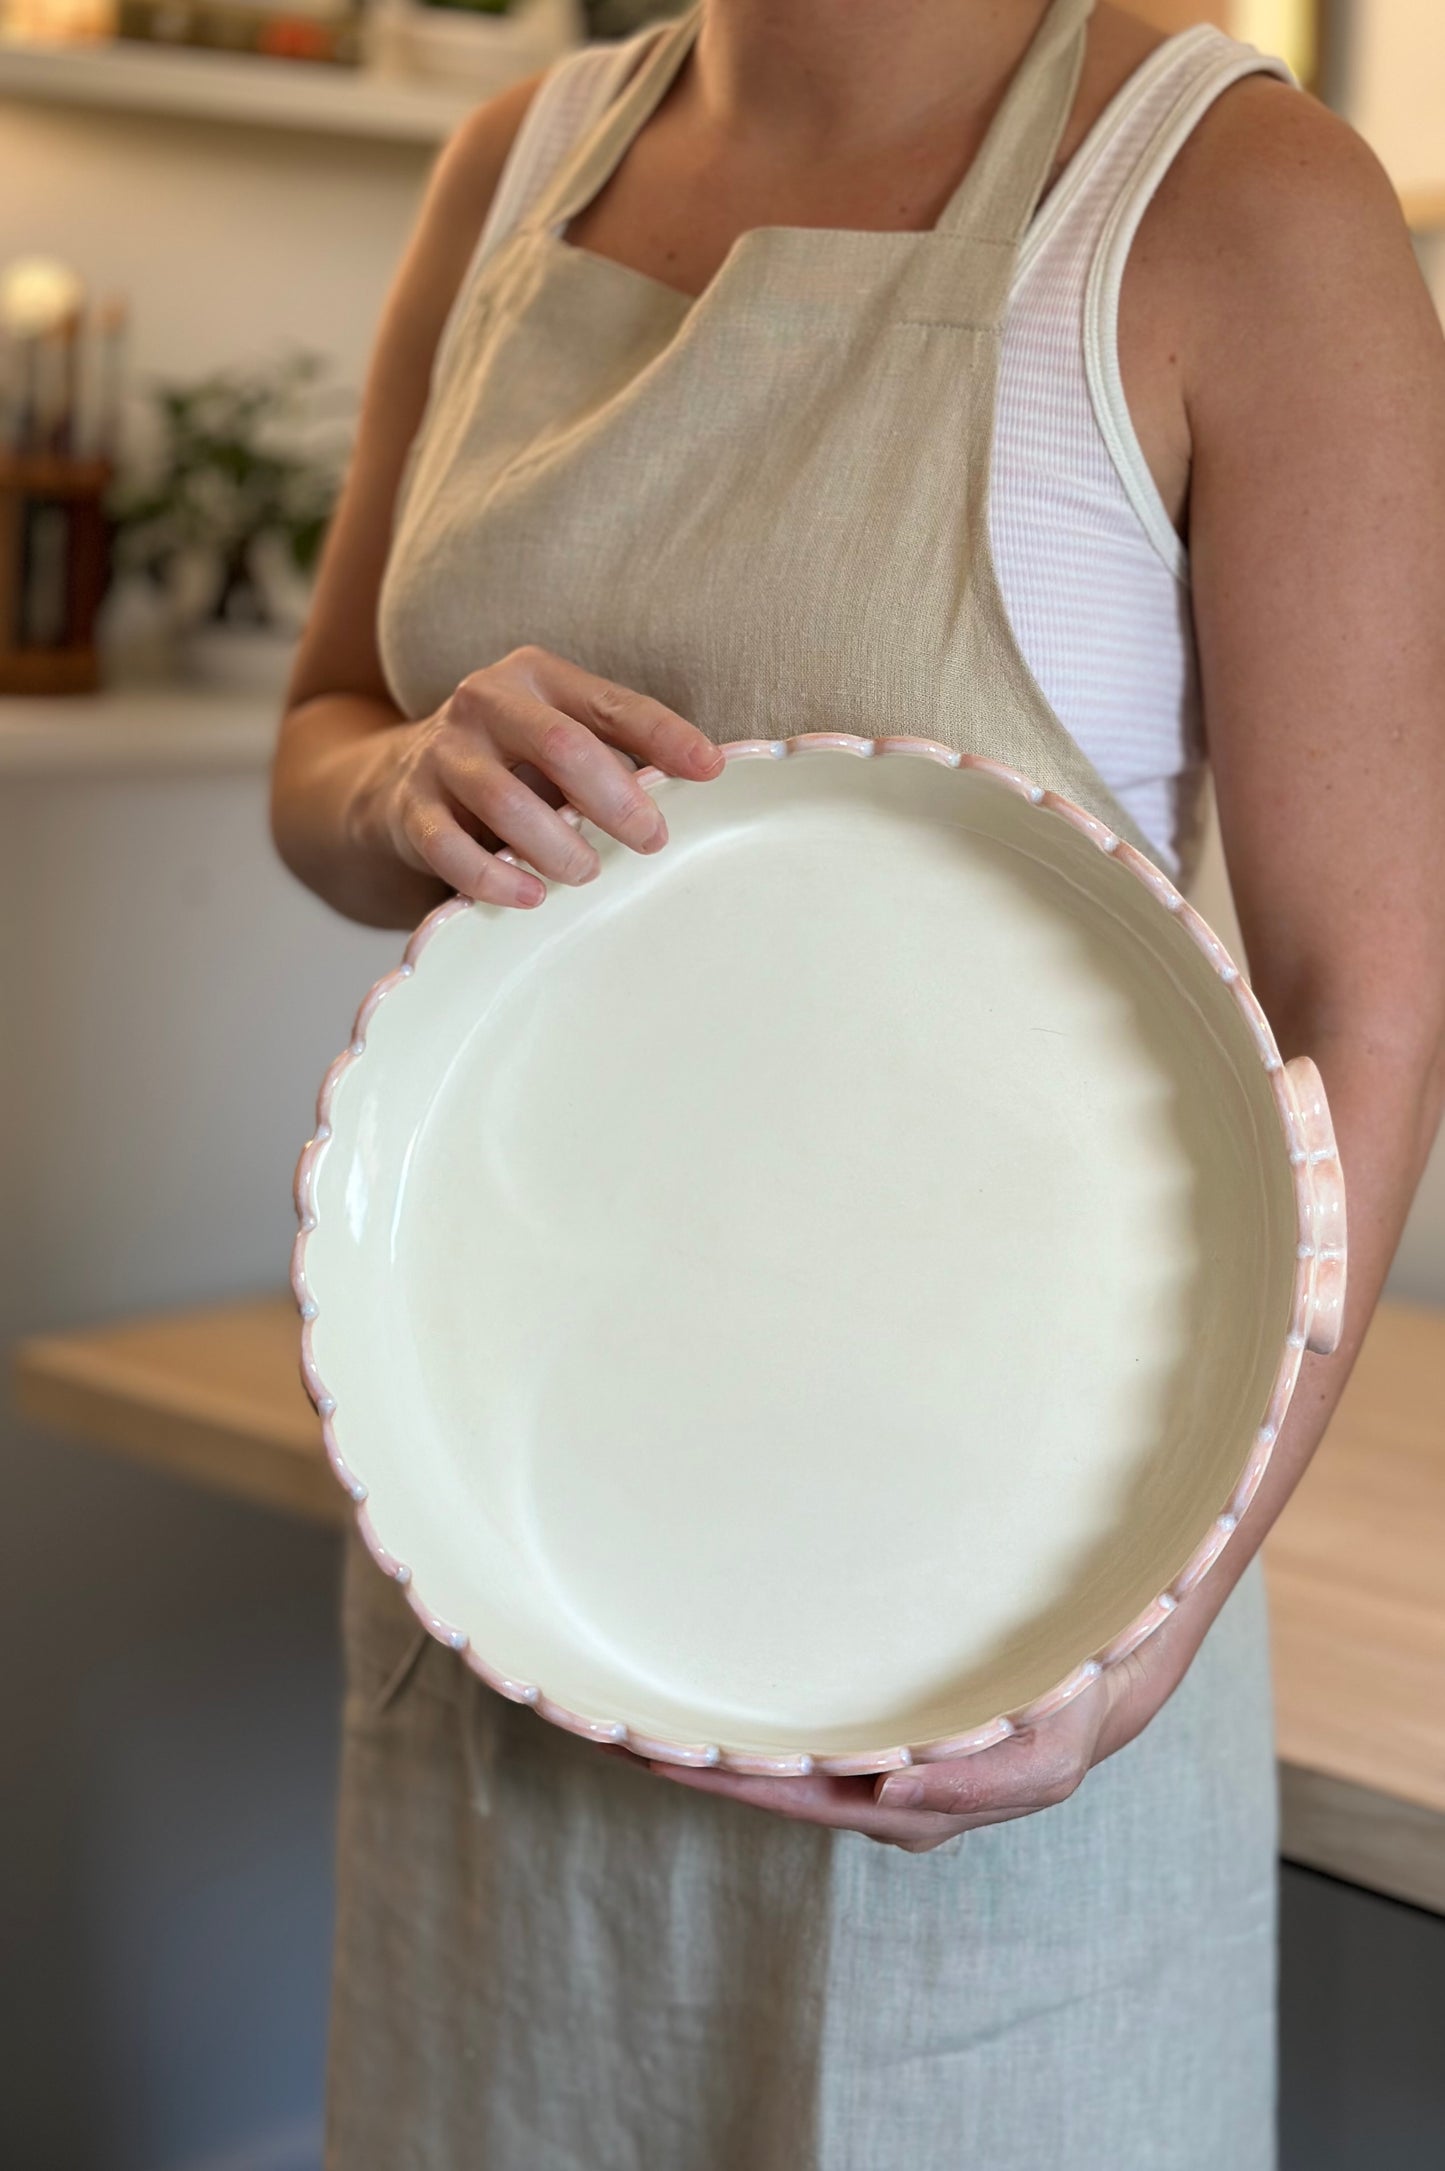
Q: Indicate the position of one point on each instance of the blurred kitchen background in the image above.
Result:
(201, 202)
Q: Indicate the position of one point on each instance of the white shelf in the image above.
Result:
(135, 729)
(310, 97)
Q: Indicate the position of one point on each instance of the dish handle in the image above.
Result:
(1324, 1186)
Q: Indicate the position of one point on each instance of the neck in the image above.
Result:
(856, 71)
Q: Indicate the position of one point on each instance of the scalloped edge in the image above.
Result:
(1316, 1306)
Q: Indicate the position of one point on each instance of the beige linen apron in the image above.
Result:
(768, 507)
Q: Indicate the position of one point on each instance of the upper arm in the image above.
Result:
(1313, 369)
(339, 651)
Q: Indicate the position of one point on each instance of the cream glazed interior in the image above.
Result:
(814, 1296)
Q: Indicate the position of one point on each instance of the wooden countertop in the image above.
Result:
(1356, 1565)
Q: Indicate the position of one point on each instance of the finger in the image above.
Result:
(1035, 1769)
(845, 1805)
(646, 729)
(514, 813)
(435, 843)
(812, 1800)
(596, 779)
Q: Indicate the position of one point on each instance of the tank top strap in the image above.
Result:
(996, 198)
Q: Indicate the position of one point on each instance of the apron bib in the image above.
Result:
(767, 507)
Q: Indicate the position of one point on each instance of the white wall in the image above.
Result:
(1395, 86)
(169, 999)
(230, 241)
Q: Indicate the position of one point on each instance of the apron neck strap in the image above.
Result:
(997, 196)
(601, 149)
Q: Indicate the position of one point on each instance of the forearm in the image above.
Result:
(333, 753)
(1385, 1078)
(1386, 1086)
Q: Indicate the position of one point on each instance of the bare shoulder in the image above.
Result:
(453, 213)
(1264, 148)
(1275, 229)
(339, 650)
(471, 163)
(466, 175)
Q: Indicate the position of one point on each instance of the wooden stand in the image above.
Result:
(54, 553)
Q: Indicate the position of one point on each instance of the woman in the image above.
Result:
(997, 371)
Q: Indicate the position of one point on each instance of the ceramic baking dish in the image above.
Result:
(814, 1297)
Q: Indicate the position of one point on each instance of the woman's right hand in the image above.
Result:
(490, 767)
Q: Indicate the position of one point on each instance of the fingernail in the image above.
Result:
(656, 837)
(531, 891)
(900, 1794)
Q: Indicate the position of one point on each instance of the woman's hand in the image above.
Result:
(918, 1809)
(488, 769)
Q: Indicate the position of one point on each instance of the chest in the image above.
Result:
(677, 207)
(768, 506)
(679, 202)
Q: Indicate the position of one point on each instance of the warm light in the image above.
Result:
(36, 294)
(1285, 27)
(57, 22)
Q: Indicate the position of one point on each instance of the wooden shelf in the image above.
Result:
(213, 1396)
(1357, 1605)
(1356, 1596)
(301, 96)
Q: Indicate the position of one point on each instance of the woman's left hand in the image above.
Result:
(919, 1808)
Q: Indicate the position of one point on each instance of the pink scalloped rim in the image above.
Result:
(1315, 1315)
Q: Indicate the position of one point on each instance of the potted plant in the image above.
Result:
(227, 518)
